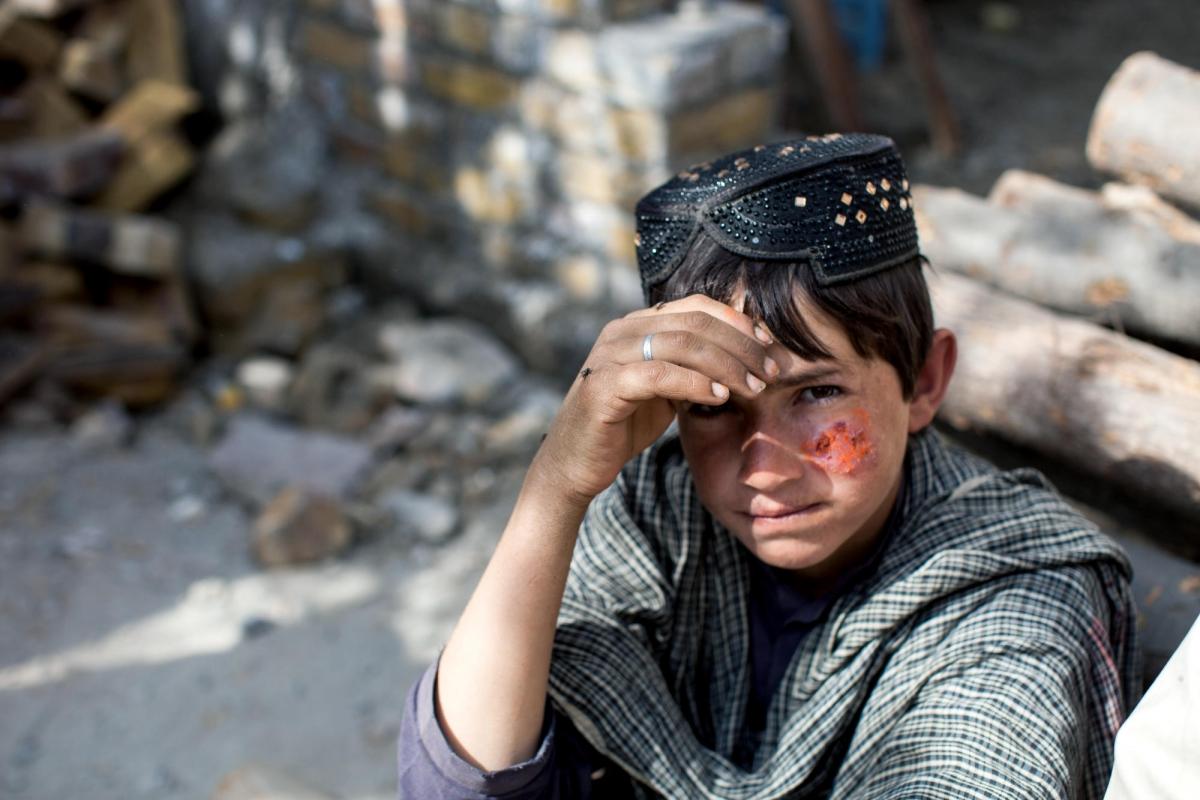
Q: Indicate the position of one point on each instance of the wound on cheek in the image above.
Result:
(842, 447)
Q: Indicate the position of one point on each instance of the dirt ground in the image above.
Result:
(145, 655)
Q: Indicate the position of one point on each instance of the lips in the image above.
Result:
(779, 512)
(783, 520)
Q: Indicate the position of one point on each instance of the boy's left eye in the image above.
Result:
(818, 394)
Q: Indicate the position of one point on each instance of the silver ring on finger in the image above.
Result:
(647, 348)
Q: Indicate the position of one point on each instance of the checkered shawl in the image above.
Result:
(992, 654)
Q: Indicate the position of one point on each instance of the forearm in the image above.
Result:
(491, 689)
(494, 672)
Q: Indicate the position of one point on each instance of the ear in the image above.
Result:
(933, 380)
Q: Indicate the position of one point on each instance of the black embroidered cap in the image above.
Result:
(838, 202)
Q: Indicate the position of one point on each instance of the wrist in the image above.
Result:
(548, 481)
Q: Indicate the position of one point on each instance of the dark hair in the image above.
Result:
(886, 315)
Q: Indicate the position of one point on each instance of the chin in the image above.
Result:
(789, 552)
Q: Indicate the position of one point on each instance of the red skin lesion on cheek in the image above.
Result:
(843, 446)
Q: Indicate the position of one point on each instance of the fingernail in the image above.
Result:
(720, 391)
(761, 334)
(770, 367)
(754, 383)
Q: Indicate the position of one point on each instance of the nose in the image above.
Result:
(768, 462)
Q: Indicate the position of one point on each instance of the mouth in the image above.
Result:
(783, 516)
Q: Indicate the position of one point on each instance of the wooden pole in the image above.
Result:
(813, 22)
(913, 24)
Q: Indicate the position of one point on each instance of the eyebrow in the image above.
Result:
(808, 375)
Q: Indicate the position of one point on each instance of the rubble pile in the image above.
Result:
(397, 426)
(92, 288)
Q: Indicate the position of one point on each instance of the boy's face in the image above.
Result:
(805, 474)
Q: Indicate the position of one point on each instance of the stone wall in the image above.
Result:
(483, 155)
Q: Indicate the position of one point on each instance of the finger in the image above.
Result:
(627, 336)
(763, 333)
(699, 302)
(731, 314)
(716, 308)
(745, 374)
(648, 380)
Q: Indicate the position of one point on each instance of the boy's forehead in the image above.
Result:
(844, 359)
(803, 371)
(793, 365)
(829, 333)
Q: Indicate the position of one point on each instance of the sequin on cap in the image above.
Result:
(787, 202)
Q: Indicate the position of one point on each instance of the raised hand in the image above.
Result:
(696, 350)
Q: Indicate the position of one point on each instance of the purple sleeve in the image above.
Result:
(430, 768)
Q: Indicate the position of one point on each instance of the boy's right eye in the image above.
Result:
(820, 394)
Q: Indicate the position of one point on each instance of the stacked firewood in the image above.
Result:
(1060, 369)
(92, 295)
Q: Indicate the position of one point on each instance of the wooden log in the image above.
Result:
(133, 357)
(150, 107)
(1115, 257)
(156, 49)
(35, 45)
(75, 167)
(1145, 204)
(92, 63)
(156, 164)
(135, 374)
(1113, 407)
(107, 24)
(1145, 126)
(127, 244)
(52, 282)
(47, 9)
(40, 109)
(52, 112)
(90, 70)
(73, 324)
(159, 158)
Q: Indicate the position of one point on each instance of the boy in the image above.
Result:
(803, 591)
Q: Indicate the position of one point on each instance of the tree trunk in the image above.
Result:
(1114, 407)
(1122, 257)
(1145, 124)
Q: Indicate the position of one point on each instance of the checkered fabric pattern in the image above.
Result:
(991, 655)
